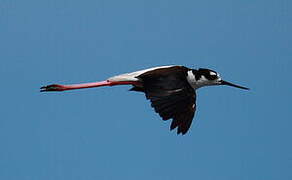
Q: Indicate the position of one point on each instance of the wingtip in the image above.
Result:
(180, 131)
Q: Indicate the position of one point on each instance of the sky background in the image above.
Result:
(111, 133)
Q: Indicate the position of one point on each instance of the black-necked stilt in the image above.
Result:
(171, 90)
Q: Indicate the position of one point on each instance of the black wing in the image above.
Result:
(171, 95)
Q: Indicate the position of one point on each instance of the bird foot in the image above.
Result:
(52, 87)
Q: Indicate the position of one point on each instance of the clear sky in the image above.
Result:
(111, 133)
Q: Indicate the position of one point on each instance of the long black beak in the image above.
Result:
(234, 85)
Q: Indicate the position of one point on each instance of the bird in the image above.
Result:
(170, 89)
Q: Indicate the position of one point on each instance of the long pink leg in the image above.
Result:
(59, 87)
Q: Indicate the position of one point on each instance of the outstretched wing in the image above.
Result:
(171, 95)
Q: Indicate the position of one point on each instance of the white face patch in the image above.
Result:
(203, 80)
(213, 73)
(219, 78)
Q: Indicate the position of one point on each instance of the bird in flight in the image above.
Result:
(171, 90)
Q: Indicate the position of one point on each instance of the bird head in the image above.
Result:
(208, 77)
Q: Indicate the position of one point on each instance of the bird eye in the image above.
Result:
(213, 77)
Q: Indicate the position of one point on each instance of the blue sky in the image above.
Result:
(110, 133)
